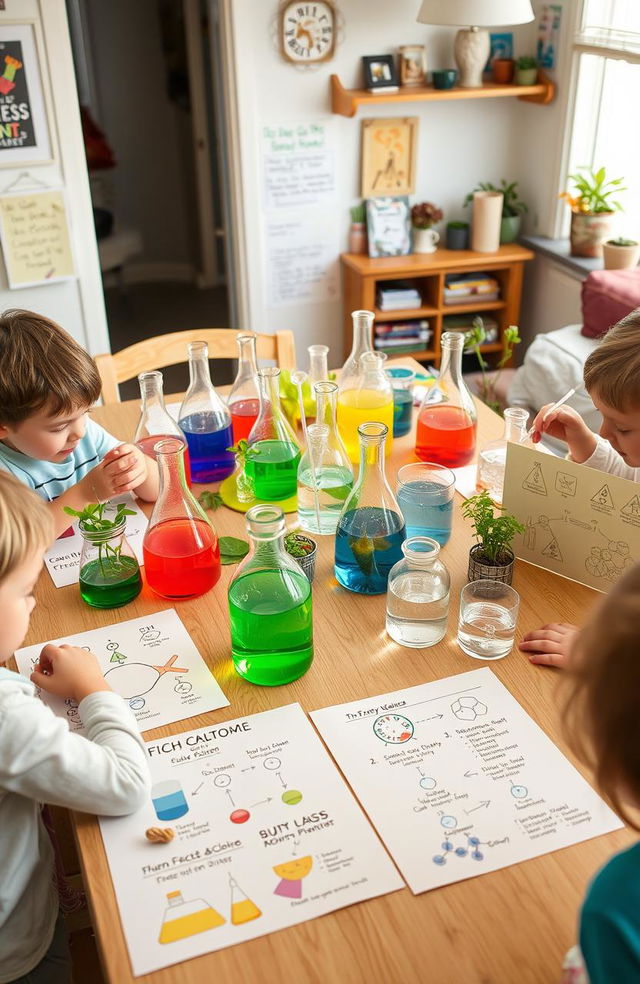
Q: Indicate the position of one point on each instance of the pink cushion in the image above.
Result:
(607, 296)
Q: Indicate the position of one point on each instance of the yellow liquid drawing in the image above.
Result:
(205, 917)
(244, 911)
(359, 406)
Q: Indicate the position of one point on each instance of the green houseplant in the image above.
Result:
(513, 208)
(491, 557)
(109, 571)
(474, 339)
(526, 70)
(592, 207)
(620, 253)
(303, 549)
(358, 229)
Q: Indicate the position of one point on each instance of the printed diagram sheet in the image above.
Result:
(579, 522)
(151, 662)
(458, 780)
(62, 559)
(266, 835)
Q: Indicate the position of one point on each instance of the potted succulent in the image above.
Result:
(303, 549)
(491, 558)
(620, 254)
(592, 207)
(358, 230)
(512, 207)
(423, 217)
(526, 70)
(502, 70)
(457, 235)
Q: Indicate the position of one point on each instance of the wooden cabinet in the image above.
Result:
(427, 271)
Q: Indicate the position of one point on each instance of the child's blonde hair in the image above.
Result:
(602, 708)
(26, 524)
(613, 369)
(42, 364)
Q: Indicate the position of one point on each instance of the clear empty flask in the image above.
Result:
(244, 397)
(156, 424)
(318, 371)
(362, 329)
(493, 457)
(325, 476)
(446, 431)
(206, 422)
(418, 595)
(273, 467)
(364, 397)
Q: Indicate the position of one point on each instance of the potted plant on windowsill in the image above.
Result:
(620, 254)
(491, 558)
(423, 217)
(526, 70)
(512, 207)
(303, 549)
(592, 207)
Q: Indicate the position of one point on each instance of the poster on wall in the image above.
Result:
(35, 238)
(24, 133)
(548, 32)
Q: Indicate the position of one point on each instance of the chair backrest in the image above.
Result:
(167, 350)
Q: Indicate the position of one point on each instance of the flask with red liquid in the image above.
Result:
(446, 431)
(155, 422)
(244, 397)
(180, 547)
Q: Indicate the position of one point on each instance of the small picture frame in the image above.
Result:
(380, 73)
(389, 226)
(388, 156)
(413, 64)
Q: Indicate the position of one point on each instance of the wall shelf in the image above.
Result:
(345, 102)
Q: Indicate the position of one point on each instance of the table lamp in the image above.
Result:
(471, 47)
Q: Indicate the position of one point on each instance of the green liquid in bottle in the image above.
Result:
(110, 582)
(271, 626)
(274, 470)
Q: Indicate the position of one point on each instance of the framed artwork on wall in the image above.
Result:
(389, 226)
(24, 127)
(413, 64)
(388, 156)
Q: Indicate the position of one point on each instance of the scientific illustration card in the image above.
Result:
(252, 830)
(458, 780)
(151, 662)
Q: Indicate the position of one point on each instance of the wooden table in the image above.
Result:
(504, 927)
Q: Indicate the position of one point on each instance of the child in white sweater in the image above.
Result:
(41, 761)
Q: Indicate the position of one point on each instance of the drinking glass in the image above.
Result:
(487, 620)
(425, 496)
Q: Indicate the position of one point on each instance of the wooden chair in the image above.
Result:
(171, 349)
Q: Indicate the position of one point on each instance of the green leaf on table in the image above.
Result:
(210, 500)
(232, 546)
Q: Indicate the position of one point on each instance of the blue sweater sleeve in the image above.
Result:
(610, 922)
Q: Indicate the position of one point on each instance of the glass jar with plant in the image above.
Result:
(592, 207)
(109, 571)
(620, 253)
(423, 217)
(526, 70)
(513, 208)
(492, 557)
(303, 549)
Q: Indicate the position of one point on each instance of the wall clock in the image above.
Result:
(307, 31)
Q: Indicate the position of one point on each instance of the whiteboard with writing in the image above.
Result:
(35, 238)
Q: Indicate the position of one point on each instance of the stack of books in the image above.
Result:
(402, 337)
(464, 288)
(464, 322)
(397, 295)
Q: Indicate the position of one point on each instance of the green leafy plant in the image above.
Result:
(232, 549)
(210, 500)
(621, 241)
(298, 545)
(525, 62)
(511, 203)
(357, 212)
(593, 193)
(425, 214)
(474, 339)
(493, 533)
(244, 450)
(92, 519)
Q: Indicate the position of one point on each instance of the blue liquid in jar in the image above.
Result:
(210, 461)
(368, 544)
(402, 410)
(427, 508)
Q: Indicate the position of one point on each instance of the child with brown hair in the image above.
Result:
(41, 760)
(48, 384)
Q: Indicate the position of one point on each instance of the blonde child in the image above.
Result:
(48, 384)
(41, 760)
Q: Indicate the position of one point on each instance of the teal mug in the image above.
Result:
(445, 78)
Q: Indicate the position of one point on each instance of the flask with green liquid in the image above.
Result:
(273, 466)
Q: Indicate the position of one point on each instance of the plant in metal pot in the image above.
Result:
(592, 205)
(491, 557)
(303, 549)
(513, 208)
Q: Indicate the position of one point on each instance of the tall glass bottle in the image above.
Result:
(446, 432)
(371, 528)
(244, 398)
(273, 467)
(493, 456)
(366, 396)
(318, 365)
(362, 329)
(270, 606)
(205, 421)
(418, 595)
(325, 476)
(156, 424)
(180, 547)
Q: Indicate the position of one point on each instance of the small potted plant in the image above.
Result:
(109, 571)
(592, 206)
(620, 254)
(358, 230)
(502, 70)
(491, 558)
(526, 70)
(512, 207)
(245, 491)
(457, 235)
(303, 549)
(423, 217)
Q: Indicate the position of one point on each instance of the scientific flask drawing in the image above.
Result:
(169, 800)
(182, 919)
(291, 874)
(133, 680)
(243, 909)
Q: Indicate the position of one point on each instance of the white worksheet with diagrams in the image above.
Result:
(151, 662)
(265, 835)
(458, 780)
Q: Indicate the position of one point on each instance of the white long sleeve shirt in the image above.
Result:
(42, 761)
(605, 459)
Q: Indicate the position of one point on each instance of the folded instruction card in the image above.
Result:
(265, 835)
(151, 662)
(458, 780)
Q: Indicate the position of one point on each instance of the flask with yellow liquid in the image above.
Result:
(183, 919)
(243, 909)
(364, 397)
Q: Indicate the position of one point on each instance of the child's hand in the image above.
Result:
(67, 671)
(123, 469)
(567, 425)
(551, 644)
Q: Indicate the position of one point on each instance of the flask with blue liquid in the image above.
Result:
(205, 421)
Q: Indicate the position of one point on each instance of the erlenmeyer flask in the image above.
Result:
(182, 919)
(325, 476)
(244, 398)
(205, 421)
(364, 397)
(273, 466)
(270, 606)
(371, 528)
(156, 424)
(180, 547)
(493, 456)
(243, 909)
(446, 432)
(362, 328)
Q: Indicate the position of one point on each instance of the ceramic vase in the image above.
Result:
(486, 219)
(425, 240)
(589, 231)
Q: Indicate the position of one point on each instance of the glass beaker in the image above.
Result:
(493, 456)
(325, 476)
(447, 419)
(244, 397)
(487, 619)
(362, 330)
(365, 397)
(180, 547)
(425, 496)
(205, 420)
(402, 385)
(109, 570)
(418, 595)
(273, 465)
(270, 606)
(182, 919)
(156, 423)
(371, 528)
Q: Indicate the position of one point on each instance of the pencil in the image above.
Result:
(567, 396)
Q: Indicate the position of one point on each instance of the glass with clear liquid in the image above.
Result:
(418, 595)
(325, 476)
(487, 619)
(493, 457)
(425, 496)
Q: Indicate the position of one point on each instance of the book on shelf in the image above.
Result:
(407, 349)
(461, 287)
(384, 343)
(400, 329)
(464, 322)
(384, 88)
(397, 294)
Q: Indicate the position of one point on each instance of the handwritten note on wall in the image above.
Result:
(35, 238)
(299, 165)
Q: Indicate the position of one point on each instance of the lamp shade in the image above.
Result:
(476, 13)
